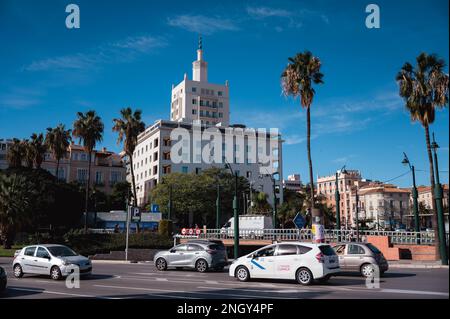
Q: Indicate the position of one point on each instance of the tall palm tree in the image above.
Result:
(28, 153)
(424, 88)
(88, 127)
(57, 140)
(39, 148)
(129, 126)
(297, 79)
(15, 154)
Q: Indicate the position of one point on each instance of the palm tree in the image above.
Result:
(424, 88)
(297, 79)
(88, 127)
(129, 126)
(39, 148)
(16, 204)
(28, 153)
(57, 140)
(15, 154)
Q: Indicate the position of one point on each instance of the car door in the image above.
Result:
(192, 253)
(27, 259)
(340, 251)
(354, 257)
(42, 261)
(287, 260)
(262, 264)
(176, 255)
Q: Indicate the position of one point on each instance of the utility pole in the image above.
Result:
(338, 203)
(415, 196)
(218, 206)
(357, 213)
(440, 210)
(235, 211)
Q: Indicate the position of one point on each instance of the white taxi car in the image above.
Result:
(303, 262)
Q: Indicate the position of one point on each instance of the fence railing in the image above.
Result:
(331, 235)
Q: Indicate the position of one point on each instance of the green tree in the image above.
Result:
(424, 88)
(28, 153)
(88, 128)
(129, 126)
(57, 140)
(15, 154)
(16, 204)
(297, 79)
(293, 203)
(39, 148)
(119, 195)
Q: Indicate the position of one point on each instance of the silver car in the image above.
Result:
(55, 260)
(361, 257)
(198, 254)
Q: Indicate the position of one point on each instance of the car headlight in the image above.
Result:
(66, 263)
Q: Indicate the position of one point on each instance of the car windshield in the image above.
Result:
(373, 249)
(61, 251)
(327, 250)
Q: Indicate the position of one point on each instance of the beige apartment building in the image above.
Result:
(293, 183)
(424, 196)
(107, 167)
(326, 189)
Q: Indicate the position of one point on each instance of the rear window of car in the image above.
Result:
(30, 251)
(303, 249)
(327, 250)
(284, 250)
(216, 247)
(373, 249)
(192, 247)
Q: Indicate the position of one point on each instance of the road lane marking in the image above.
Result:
(190, 292)
(58, 293)
(415, 292)
(261, 291)
(161, 279)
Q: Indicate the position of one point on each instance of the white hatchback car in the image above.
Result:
(303, 262)
(55, 260)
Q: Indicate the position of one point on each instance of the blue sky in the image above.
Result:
(128, 53)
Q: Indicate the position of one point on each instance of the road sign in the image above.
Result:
(299, 221)
(155, 208)
(197, 231)
(191, 231)
(183, 231)
(135, 214)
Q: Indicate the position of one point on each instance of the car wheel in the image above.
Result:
(304, 276)
(18, 272)
(201, 265)
(161, 264)
(367, 270)
(242, 273)
(55, 273)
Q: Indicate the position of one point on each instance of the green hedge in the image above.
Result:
(90, 244)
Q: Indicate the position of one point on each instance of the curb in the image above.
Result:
(99, 261)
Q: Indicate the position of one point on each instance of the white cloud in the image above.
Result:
(265, 12)
(124, 50)
(202, 24)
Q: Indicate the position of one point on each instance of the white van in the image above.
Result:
(250, 226)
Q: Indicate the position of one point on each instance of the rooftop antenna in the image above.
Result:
(200, 45)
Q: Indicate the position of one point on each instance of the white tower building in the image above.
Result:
(197, 99)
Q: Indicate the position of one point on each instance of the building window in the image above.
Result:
(194, 89)
(220, 115)
(249, 174)
(156, 142)
(198, 170)
(155, 170)
(184, 169)
(82, 175)
(194, 111)
(167, 169)
(98, 178)
(219, 93)
(166, 155)
(220, 105)
(155, 156)
(116, 177)
(194, 101)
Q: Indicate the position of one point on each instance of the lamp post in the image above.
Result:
(440, 211)
(357, 213)
(169, 215)
(235, 211)
(338, 201)
(218, 206)
(415, 195)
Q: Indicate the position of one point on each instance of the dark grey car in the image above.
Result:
(361, 257)
(198, 254)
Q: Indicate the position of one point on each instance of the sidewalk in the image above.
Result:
(415, 264)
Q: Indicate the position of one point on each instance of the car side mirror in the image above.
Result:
(172, 250)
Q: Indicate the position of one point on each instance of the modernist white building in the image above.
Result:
(200, 108)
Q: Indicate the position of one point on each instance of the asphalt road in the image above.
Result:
(118, 281)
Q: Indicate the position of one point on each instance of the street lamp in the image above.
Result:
(338, 200)
(440, 210)
(235, 211)
(357, 213)
(415, 195)
(218, 205)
